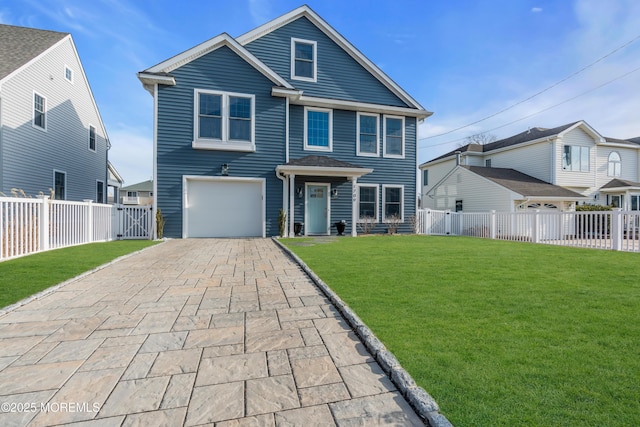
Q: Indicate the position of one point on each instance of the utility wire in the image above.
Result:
(537, 93)
(539, 111)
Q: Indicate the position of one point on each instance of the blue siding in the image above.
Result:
(220, 70)
(339, 76)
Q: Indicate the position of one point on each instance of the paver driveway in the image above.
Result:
(191, 332)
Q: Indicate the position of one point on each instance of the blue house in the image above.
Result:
(289, 116)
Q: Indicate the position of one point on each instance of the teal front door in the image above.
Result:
(317, 209)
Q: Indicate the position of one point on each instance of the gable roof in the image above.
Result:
(140, 186)
(620, 183)
(20, 45)
(523, 184)
(321, 166)
(322, 25)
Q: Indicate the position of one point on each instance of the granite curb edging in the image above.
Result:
(420, 400)
(8, 309)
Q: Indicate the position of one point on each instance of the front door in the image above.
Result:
(317, 209)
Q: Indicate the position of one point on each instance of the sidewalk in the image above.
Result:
(191, 332)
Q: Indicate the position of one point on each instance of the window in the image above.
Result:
(458, 205)
(425, 177)
(99, 192)
(575, 158)
(617, 201)
(394, 137)
(92, 138)
(224, 121)
(487, 163)
(613, 165)
(367, 202)
(367, 143)
(318, 129)
(68, 74)
(39, 111)
(392, 197)
(303, 60)
(59, 185)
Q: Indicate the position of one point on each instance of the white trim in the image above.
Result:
(308, 147)
(54, 183)
(377, 201)
(154, 231)
(225, 143)
(384, 137)
(33, 112)
(95, 138)
(186, 178)
(306, 207)
(384, 201)
(366, 154)
(66, 67)
(322, 171)
(293, 75)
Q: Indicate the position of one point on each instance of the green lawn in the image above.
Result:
(22, 277)
(500, 333)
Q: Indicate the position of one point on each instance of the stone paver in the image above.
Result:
(203, 332)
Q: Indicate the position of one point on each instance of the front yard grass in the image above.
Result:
(500, 333)
(22, 277)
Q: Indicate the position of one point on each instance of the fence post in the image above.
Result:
(43, 226)
(492, 225)
(616, 229)
(88, 218)
(536, 227)
(427, 222)
(447, 222)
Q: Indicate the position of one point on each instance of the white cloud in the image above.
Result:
(536, 9)
(132, 153)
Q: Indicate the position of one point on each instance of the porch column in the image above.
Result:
(292, 194)
(354, 207)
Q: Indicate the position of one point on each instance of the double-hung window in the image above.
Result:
(367, 202)
(68, 74)
(39, 111)
(367, 143)
(575, 158)
(318, 129)
(393, 137)
(92, 138)
(392, 202)
(224, 121)
(303, 60)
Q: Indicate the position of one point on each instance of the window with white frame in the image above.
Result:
(59, 185)
(367, 131)
(303, 59)
(575, 158)
(425, 177)
(99, 191)
(68, 74)
(392, 201)
(367, 202)
(224, 121)
(393, 137)
(92, 138)
(318, 129)
(39, 111)
(614, 164)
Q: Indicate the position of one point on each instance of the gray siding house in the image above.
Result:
(51, 134)
(289, 116)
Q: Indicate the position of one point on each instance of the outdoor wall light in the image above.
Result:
(224, 171)
(299, 192)
(334, 193)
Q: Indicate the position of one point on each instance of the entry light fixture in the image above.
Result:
(299, 192)
(334, 193)
(224, 171)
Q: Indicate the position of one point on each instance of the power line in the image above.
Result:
(537, 93)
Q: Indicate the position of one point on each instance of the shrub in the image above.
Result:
(366, 224)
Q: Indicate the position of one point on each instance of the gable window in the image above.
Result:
(614, 164)
(92, 138)
(392, 201)
(99, 192)
(425, 177)
(224, 121)
(303, 60)
(39, 111)
(68, 74)
(59, 185)
(367, 202)
(367, 144)
(393, 137)
(318, 129)
(575, 158)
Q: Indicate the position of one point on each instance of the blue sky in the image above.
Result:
(464, 60)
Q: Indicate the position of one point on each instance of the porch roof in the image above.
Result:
(321, 166)
(620, 185)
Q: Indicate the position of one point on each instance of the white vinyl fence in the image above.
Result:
(33, 225)
(616, 230)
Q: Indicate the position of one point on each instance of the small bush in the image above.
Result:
(366, 224)
(393, 223)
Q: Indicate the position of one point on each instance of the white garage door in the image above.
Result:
(223, 207)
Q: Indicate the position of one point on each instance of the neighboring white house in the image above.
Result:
(114, 184)
(576, 163)
(140, 194)
(51, 134)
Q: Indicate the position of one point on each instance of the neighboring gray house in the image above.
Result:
(51, 133)
(288, 116)
(140, 194)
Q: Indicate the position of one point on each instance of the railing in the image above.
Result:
(33, 225)
(615, 230)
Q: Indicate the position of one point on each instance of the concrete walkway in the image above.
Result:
(191, 332)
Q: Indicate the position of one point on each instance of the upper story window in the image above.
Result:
(425, 177)
(575, 158)
(367, 143)
(318, 129)
(68, 74)
(392, 202)
(614, 164)
(367, 202)
(224, 121)
(92, 138)
(39, 111)
(303, 60)
(393, 137)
